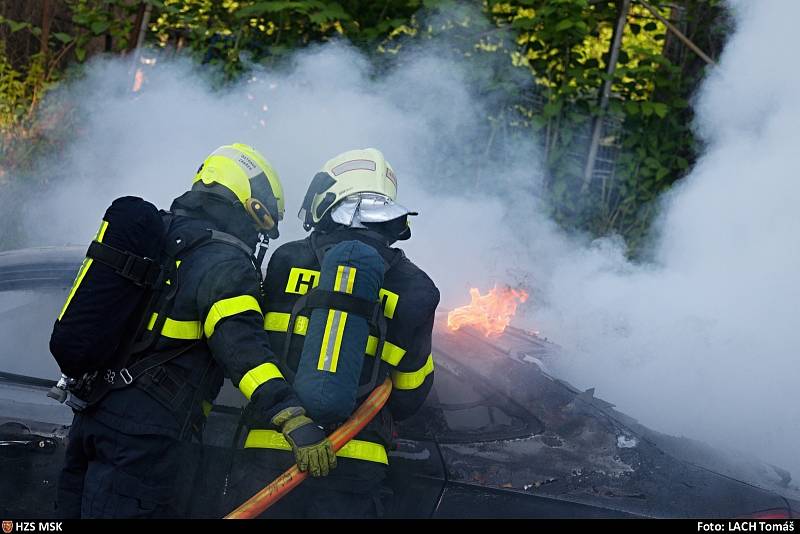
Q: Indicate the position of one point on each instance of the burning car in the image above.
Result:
(499, 436)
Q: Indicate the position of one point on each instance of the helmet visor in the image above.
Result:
(368, 208)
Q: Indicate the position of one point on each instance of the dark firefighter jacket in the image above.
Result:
(217, 315)
(409, 300)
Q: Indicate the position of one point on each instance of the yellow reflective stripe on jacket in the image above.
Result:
(389, 300)
(414, 379)
(193, 330)
(177, 329)
(228, 307)
(279, 322)
(391, 353)
(355, 448)
(87, 262)
(257, 376)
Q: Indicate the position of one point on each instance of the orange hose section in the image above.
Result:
(292, 477)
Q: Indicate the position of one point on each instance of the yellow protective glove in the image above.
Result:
(312, 449)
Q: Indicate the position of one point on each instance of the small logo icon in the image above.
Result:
(110, 376)
(8, 526)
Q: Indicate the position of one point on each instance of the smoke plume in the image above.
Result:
(703, 341)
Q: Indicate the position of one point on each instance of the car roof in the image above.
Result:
(545, 396)
(39, 255)
(43, 267)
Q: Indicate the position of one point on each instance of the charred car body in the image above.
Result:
(498, 436)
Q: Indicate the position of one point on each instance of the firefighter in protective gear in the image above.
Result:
(132, 454)
(351, 198)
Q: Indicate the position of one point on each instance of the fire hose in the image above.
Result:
(292, 477)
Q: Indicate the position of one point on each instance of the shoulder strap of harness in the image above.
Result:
(141, 271)
(181, 246)
(164, 300)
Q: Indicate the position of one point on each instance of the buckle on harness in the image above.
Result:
(141, 271)
(128, 267)
(126, 376)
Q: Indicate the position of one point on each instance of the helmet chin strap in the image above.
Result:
(260, 253)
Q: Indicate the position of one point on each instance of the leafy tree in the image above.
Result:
(538, 65)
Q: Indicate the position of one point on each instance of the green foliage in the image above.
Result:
(113, 19)
(646, 132)
(232, 33)
(26, 133)
(28, 130)
(539, 66)
(20, 129)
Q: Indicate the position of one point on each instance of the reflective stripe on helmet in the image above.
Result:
(248, 165)
(354, 165)
(228, 307)
(257, 376)
(221, 169)
(356, 449)
(414, 379)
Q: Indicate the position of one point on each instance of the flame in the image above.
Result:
(490, 313)
(138, 80)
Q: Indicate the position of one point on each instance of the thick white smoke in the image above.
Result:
(705, 342)
(702, 343)
(151, 143)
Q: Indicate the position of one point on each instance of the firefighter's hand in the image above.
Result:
(313, 450)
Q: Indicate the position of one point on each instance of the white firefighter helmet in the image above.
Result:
(357, 186)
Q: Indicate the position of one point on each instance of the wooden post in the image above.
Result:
(133, 38)
(143, 19)
(143, 28)
(47, 19)
(671, 27)
(605, 94)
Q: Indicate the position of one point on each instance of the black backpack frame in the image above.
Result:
(152, 275)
